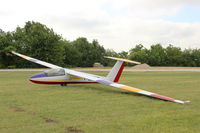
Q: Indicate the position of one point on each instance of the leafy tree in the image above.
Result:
(139, 53)
(72, 57)
(90, 52)
(40, 42)
(187, 58)
(123, 54)
(157, 55)
(195, 56)
(6, 45)
(173, 56)
(112, 53)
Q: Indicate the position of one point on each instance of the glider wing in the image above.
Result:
(102, 80)
(36, 60)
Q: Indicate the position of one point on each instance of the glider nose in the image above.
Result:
(39, 75)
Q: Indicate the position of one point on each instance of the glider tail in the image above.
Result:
(116, 71)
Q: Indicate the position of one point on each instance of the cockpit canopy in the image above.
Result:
(54, 72)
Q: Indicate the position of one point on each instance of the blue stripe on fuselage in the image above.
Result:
(40, 75)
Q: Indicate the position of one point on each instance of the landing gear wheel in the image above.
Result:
(63, 84)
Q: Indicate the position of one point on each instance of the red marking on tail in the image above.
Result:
(119, 72)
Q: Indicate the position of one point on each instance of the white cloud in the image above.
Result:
(116, 24)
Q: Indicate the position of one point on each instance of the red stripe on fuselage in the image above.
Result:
(119, 72)
(57, 82)
(162, 97)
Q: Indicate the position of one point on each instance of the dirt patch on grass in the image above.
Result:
(47, 120)
(73, 130)
(141, 66)
(17, 109)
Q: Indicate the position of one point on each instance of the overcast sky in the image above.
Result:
(116, 24)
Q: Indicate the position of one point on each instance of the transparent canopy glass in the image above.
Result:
(55, 72)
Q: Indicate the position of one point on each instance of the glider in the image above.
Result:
(64, 76)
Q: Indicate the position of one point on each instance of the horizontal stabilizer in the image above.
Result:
(121, 59)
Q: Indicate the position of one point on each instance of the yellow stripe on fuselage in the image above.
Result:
(130, 88)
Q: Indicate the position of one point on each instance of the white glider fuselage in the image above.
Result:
(57, 76)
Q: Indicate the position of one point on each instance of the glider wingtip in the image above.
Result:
(182, 102)
(138, 63)
(186, 102)
(12, 51)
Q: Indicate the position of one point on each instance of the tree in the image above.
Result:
(123, 54)
(173, 56)
(195, 56)
(187, 58)
(139, 53)
(157, 55)
(112, 53)
(6, 45)
(90, 52)
(98, 52)
(38, 41)
(72, 57)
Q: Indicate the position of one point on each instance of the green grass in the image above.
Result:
(32, 108)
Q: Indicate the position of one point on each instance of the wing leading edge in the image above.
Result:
(101, 80)
(36, 60)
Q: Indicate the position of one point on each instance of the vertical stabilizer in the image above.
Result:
(117, 69)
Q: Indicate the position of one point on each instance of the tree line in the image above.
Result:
(39, 41)
(169, 56)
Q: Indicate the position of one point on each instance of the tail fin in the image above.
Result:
(116, 71)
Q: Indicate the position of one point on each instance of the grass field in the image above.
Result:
(32, 108)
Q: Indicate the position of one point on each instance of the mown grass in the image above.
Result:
(32, 108)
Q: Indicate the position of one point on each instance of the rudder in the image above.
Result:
(117, 69)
